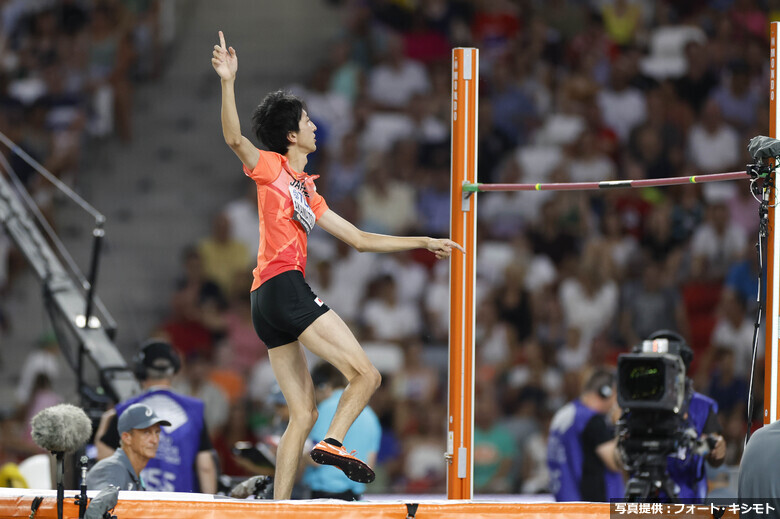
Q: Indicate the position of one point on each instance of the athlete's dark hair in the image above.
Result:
(278, 114)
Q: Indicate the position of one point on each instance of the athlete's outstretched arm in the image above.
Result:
(225, 63)
(370, 242)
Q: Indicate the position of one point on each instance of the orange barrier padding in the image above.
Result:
(145, 508)
(466, 510)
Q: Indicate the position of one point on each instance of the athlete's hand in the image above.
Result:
(442, 248)
(224, 59)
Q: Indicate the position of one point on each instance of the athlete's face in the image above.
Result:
(306, 138)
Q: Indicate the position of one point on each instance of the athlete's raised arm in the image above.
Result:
(370, 242)
(225, 63)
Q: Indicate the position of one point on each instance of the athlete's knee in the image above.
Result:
(367, 375)
(375, 377)
(304, 418)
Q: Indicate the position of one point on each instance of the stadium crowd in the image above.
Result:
(570, 90)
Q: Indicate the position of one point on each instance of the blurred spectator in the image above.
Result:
(620, 245)
(734, 332)
(342, 281)
(46, 361)
(713, 145)
(222, 255)
(240, 347)
(494, 26)
(737, 102)
(535, 475)
(659, 241)
(699, 79)
(423, 440)
(589, 300)
(513, 303)
(622, 106)
(235, 429)
(587, 163)
(726, 387)
(436, 304)
(716, 244)
(515, 108)
(194, 381)
(742, 208)
(687, 213)
(648, 151)
(241, 215)
(622, 20)
(385, 317)
(347, 78)
(548, 237)
(417, 381)
(111, 55)
(195, 308)
(742, 278)
(535, 369)
(494, 338)
(346, 171)
(147, 37)
(410, 276)
(392, 83)
(185, 327)
(494, 447)
(649, 304)
(385, 204)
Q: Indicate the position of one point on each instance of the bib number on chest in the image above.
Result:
(302, 213)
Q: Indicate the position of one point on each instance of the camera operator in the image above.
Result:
(582, 448)
(699, 414)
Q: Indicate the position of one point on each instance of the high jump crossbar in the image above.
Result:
(469, 187)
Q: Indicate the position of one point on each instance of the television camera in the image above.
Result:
(654, 392)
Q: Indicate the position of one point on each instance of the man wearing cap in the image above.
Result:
(185, 460)
(139, 429)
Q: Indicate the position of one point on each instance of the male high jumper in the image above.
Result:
(284, 308)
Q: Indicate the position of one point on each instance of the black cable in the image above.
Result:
(763, 232)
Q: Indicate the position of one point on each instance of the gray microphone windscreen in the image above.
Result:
(61, 428)
(763, 147)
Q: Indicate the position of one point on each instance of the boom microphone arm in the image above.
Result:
(65, 300)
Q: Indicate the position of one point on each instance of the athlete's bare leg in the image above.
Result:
(292, 374)
(329, 338)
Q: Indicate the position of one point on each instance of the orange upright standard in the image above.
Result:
(463, 230)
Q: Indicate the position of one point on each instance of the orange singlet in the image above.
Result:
(283, 236)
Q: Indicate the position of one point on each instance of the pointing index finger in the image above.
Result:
(222, 40)
(457, 246)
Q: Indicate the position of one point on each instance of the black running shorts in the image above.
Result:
(283, 307)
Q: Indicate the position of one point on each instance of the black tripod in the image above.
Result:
(650, 483)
